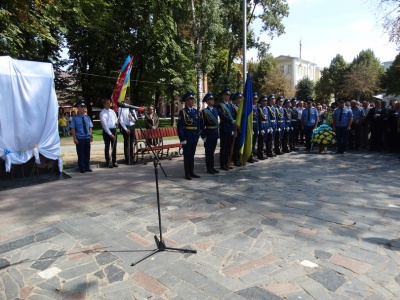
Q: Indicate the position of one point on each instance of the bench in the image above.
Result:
(156, 136)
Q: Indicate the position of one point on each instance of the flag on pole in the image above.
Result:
(245, 122)
(122, 83)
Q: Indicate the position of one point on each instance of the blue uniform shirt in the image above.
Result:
(358, 113)
(264, 121)
(288, 117)
(255, 119)
(225, 117)
(309, 116)
(209, 126)
(346, 115)
(272, 116)
(77, 124)
(188, 125)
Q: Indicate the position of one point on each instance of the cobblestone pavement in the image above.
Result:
(298, 226)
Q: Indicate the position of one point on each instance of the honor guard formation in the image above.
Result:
(279, 126)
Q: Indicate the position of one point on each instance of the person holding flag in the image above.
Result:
(236, 98)
(209, 129)
(227, 128)
(244, 122)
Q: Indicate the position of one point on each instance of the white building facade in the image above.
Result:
(295, 69)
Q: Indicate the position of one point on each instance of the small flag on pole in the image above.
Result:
(122, 83)
(245, 122)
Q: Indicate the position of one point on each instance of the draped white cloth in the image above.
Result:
(28, 112)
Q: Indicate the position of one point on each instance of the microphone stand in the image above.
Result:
(159, 241)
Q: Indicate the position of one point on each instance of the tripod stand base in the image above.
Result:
(161, 247)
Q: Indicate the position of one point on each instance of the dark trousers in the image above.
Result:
(235, 154)
(342, 138)
(355, 137)
(107, 142)
(255, 141)
(83, 151)
(189, 150)
(307, 135)
(376, 138)
(225, 148)
(300, 134)
(209, 148)
(129, 138)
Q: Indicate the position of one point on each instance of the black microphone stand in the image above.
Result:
(159, 241)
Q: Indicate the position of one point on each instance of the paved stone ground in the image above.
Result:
(298, 226)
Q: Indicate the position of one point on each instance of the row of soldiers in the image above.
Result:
(275, 125)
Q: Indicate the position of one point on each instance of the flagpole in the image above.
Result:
(244, 42)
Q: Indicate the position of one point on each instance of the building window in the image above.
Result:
(282, 69)
(298, 70)
(289, 69)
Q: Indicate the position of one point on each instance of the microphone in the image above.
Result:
(124, 105)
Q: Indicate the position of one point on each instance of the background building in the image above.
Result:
(295, 69)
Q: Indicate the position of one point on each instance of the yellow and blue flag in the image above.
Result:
(122, 83)
(245, 122)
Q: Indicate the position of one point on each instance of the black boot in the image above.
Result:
(192, 174)
(212, 165)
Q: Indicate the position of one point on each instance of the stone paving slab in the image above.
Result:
(298, 226)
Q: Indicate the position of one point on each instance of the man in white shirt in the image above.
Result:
(127, 119)
(109, 123)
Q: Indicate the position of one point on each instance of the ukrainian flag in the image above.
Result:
(245, 122)
(122, 83)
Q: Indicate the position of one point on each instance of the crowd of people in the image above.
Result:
(280, 125)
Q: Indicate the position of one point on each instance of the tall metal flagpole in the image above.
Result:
(244, 42)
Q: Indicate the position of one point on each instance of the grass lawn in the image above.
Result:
(98, 131)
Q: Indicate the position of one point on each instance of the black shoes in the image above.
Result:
(193, 175)
(209, 171)
(225, 168)
(214, 170)
(115, 165)
(88, 170)
(187, 176)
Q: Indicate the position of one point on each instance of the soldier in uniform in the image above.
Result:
(255, 129)
(288, 126)
(280, 128)
(295, 125)
(309, 122)
(236, 98)
(342, 120)
(264, 124)
(188, 132)
(272, 131)
(209, 129)
(376, 118)
(227, 125)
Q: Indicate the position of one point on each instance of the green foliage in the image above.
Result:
(364, 76)
(391, 79)
(304, 89)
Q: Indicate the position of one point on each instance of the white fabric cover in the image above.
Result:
(28, 112)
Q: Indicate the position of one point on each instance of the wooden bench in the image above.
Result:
(155, 137)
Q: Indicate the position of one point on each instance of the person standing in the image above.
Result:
(127, 119)
(288, 133)
(342, 119)
(299, 138)
(364, 126)
(152, 123)
(81, 129)
(188, 132)
(256, 130)
(209, 129)
(376, 118)
(236, 98)
(280, 123)
(355, 131)
(272, 132)
(309, 122)
(295, 125)
(264, 124)
(227, 125)
(109, 122)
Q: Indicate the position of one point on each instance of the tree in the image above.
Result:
(364, 76)
(322, 86)
(230, 42)
(304, 89)
(391, 24)
(391, 79)
(336, 76)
